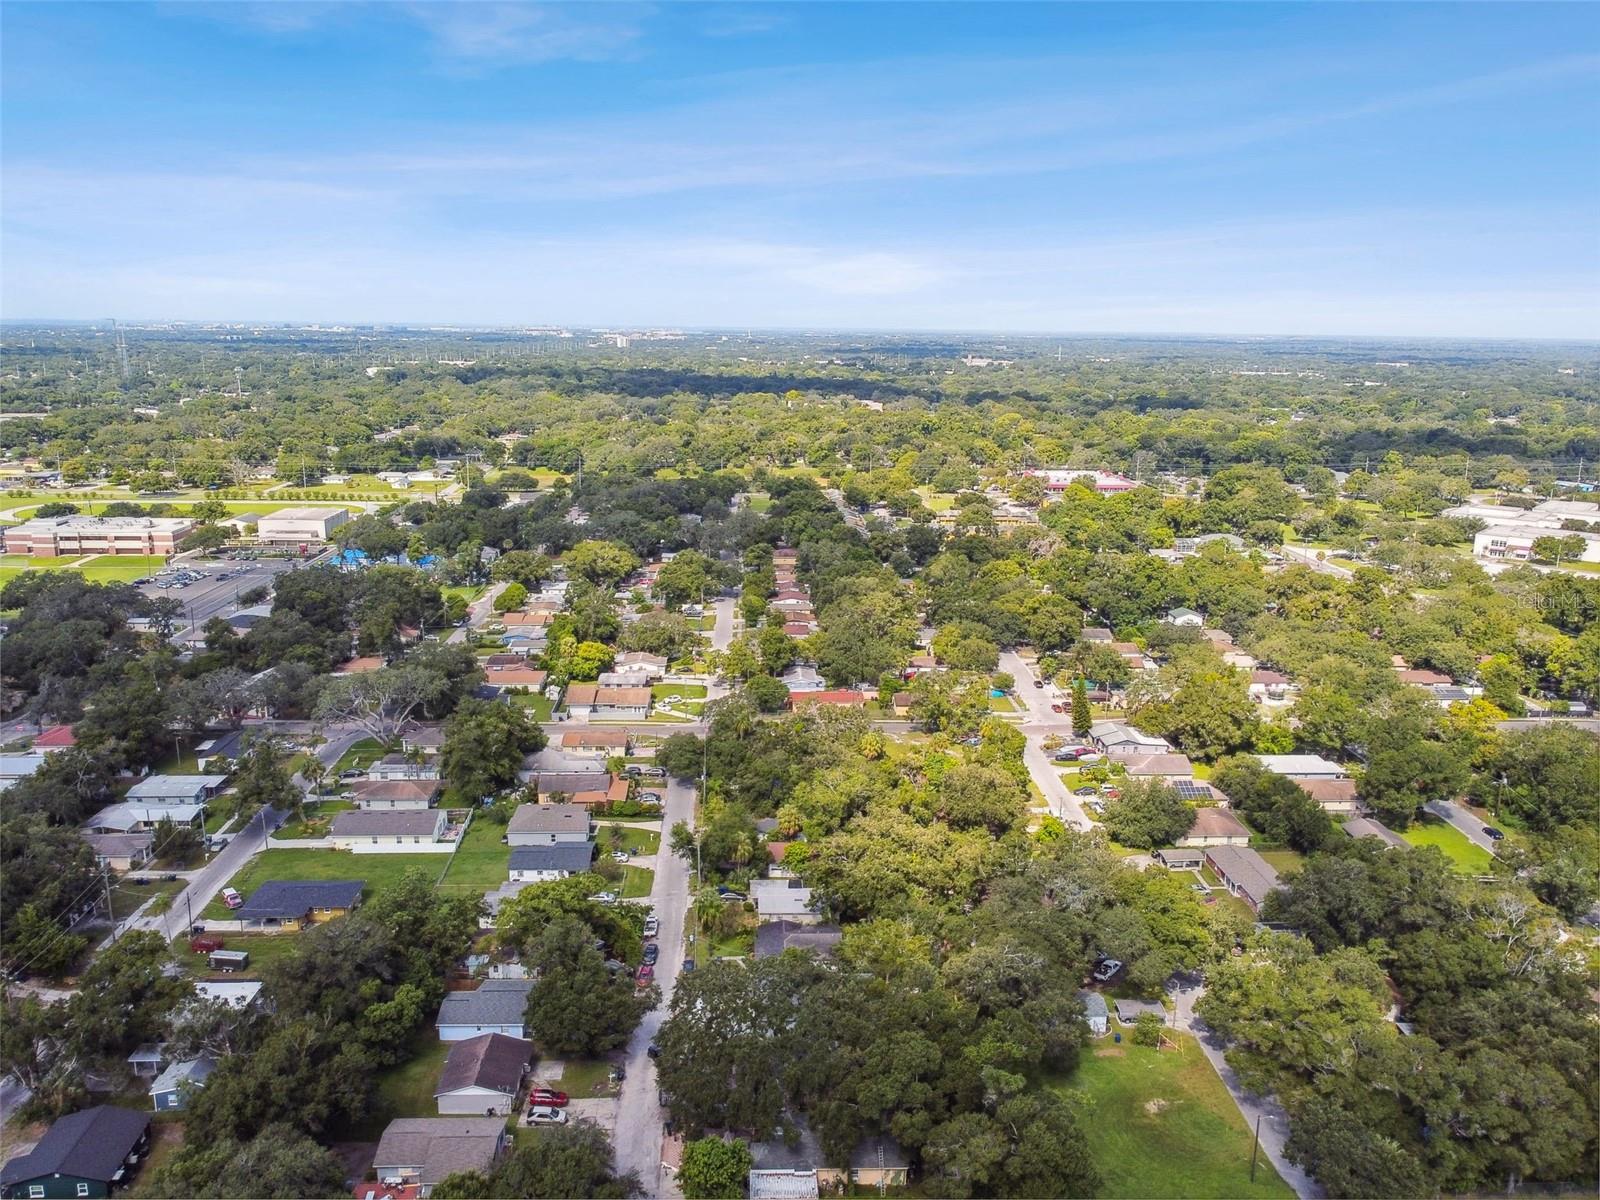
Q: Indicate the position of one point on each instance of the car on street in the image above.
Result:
(543, 1114)
(1038, 683)
(652, 926)
(653, 1050)
(1106, 970)
(1489, 831)
(1055, 708)
(547, 1098)
(652, 951)
(646, 973)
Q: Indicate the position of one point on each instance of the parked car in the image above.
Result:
(547, 1098)
(652, 951)
(543, 1114)
(688, 965)
(1086, 791)
(620, 856)
(1055, 708)
(1078, 754)
(231, 898)
(1106, 970)
(1039, 683)
(650, 798)
(727, 893)
(605, 897)
(646, 973)
(654, 1051)
(1489, 831)
(652, 926)
(352, 773)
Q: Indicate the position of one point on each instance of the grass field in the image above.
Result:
(637, 882)
(535, 702)
(104, 568)
(264, 948)
(1284, 860)
(378, 871)
(359, 757)
(582, 1077)
(481, 862)
(126, 896)
(406, 1089)
(634, 841)
(1468, 858)
(319, 815)
(1160, 1123)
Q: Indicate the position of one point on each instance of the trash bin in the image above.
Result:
(1117, 1038)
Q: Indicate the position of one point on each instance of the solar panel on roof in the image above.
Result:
(1190, 789)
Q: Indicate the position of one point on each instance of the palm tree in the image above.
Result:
(707, 908)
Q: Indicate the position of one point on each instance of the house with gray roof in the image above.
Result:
(541, 864)
(482, 1075)
(85, 1153)
(774, 937)
(177, 789)
(548, 825)
(1363, 827)
(421, 1151)
(1244, 873)
(495, 1006)
(171, 1089)
(373, 831)
(1095, 1013)
(293, 903)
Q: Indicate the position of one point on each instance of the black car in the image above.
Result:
(654, 1051)
(688, 965)
(1489, 831)
(651, 952)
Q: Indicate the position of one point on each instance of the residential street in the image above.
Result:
(1274, 1120)
(478, 613)
(727, 609)
(1039, 724)
(639, 1115)
(1468, 824)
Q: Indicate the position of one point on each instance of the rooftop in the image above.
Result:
(287, 899)
(386, 823)
(575, 857)
(490, 1060)
(494, 1002)
(549, 818)
(90, 1144)
(439, 1146)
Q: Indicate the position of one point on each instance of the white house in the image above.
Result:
(496, 1006)
(1301, 766)
(420, 1151)
(365, 831)
(1185, 618)
(482, 1076)
(549, 825)
(542, 864)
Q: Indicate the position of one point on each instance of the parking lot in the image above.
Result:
(212, 588)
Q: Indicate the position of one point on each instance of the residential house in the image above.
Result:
(1244, 873)
(426, 740)
(541, 864)
(1234, 657)
(799, 629)
(837, 698)
(1362, 827)
(360, 666)
(495, 1006)
(54, 737)
(518, 678)
(776, 869)
(1095, 1013)
(220, 753)
(368, 832)
(1129, 1010)
(1114, 737)
(391, 794)
(135, 818)
(549, 825)
(877, 1161)
(1181, 858)
(525, 642)
(526, 620)
(902, 703)
(18, 766)
(596, 743)
(1334, 795)
(176, 789)
(86, 1153)
(1270, 687)
(1097, 633)
(1161, 765)
(121, 851)
(605, 791)
(1422, 678)
(649, 668)
(558, 787)
(1184, 618)
(238, 993)
(482, 1075)
(1301, 766)
(293, 904)
(785, 1168)
(802, 677)
(1132, 655)
(620, 703)
(421, 1151)
(1215, 827)
(774, 937)
(171, 1089)
(398, 766)
(779, 899)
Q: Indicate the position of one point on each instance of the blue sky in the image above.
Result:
(1281, 168)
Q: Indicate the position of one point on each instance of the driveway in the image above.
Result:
(1468, 824)
(1274, 1120)
(639, 1115)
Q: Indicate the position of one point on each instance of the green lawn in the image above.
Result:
(582, 1077)
(358, 758)
(319, 815)
(126, 896)
(481, 862)
(104, 568)
(1003, 704)
(406, 1089)
(1160, 1123)
(264, 948)
(634, 841)
(378, 871)
(678, 691)
(535, 702)
(637, 882)
(1463, 853)
(1284, 860)
(469, 593)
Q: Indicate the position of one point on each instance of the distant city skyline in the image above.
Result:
(1189, 170)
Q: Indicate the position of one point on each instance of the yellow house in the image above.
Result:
(291, 905)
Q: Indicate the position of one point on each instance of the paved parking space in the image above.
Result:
(212, 595)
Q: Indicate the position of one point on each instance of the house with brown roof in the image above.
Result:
(526, 620)
(392, 794)
(1270, 686)
(902, 703)
(1417, 677)
(514, 677)
(1215, 827)
(1334, 795)
(1161, 765)
(482, 1076)
(595, 743)
(1244, 873)
(838, 698)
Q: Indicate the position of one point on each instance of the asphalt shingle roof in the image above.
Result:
(90, 1144)
(495, 1002)
(575, 857)
(490, 1060)
(285, 899)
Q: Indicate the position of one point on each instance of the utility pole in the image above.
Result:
(1254, 1146)
(105, 878)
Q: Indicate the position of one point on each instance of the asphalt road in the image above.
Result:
(1039, 724)
(639, 1114)
(722, 635)
(1468, 824)
(478, 612)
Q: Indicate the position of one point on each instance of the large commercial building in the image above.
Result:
(300, 524)
(1510, 532)
(57, 537)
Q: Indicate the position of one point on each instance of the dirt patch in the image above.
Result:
(1110, 1052)
(1155, 1107)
